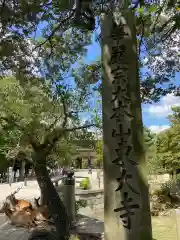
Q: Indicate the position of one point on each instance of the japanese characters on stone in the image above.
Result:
(121, 108)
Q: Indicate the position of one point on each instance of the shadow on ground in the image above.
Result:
(85, 228)
(42, 235)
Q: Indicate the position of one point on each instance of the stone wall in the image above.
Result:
(80, 174)
(94, 198)
(158, 178)
(155, 181)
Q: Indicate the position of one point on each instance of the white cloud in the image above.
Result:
(163, 109)
(158, 129)
(145, 60)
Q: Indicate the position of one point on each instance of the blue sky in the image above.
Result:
(155, 116)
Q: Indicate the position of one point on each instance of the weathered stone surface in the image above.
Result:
(84, 227)
(9, 232)
(94, 198)
(87, 228)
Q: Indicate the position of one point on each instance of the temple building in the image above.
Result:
(85, 158)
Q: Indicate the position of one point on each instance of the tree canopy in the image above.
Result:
(44, 29)
(32, 114)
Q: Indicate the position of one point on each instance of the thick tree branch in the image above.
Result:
(157, 17)
(33, 142)
(48, 39)
(79, 128)
(53, 124)
(66, 115)
(51, 138)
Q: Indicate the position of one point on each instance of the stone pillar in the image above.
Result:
(89, 162)
(79, 162)
(25, 181)
(26, 174)
(10, 175)
(99, 177)
(69, 195)
(126, 200)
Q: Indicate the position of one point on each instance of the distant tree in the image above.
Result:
(99, 153)
(167, 144)
(149, 148)
(149, 138)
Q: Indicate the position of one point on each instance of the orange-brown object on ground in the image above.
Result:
(42, 212)
(22, 218)
(17, 204)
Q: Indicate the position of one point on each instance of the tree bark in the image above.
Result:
(22, 171)
(125, 182)
(50, 196)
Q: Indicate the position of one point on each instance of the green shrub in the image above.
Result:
(166, 188)
(80, 204)
(163, 191)
(85, 184)
(74, 237)
(166, 194)
(172, 186)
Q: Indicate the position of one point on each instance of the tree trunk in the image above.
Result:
(55, 205)
(126, 200)
(22, 171)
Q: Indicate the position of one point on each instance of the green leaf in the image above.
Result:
(141, 10)
(152, 9)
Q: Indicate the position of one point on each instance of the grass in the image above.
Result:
(164, 227)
